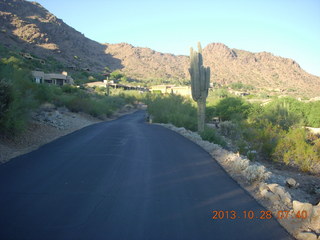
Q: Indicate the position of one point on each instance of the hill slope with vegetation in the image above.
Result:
(19, 95)
(30, 28)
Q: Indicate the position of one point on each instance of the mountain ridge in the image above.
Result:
(29, 27)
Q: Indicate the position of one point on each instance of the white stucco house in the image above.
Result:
(52, 78)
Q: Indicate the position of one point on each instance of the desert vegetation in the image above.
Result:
(173, 109)
(19, 96)
(275, 132)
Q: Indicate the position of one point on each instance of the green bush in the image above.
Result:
(173, 109)
(312, 113)
(210, 113)
(264, 137)
(232, 108)
(229, 129)
(241, 86)
(67, 88)
(5, 97)
(294, 149)
(209, 134)
(18, 96)
(284, 112)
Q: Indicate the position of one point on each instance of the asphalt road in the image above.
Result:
(125, 179)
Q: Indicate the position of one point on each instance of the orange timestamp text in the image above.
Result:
(262, 214)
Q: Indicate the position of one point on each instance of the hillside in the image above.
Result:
(30, 28)
(262, 70)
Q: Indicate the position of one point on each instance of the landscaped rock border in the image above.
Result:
(253, 176)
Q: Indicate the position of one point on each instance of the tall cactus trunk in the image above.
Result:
(201, 115)
(200, 81)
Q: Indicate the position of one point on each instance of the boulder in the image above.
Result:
(263, 186)
(315, 218)
(291, 183)
(272, 186)
(306, 236)
(274, 198)
(280, 192)
(300, 206)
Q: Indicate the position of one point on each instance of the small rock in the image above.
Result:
(272, 186)
(47, 107)
(307, 236)
(263, 186)
(274, 198)
(284, 196)
(291, 183)
(264, 192)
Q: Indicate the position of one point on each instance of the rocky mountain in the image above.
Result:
(262, 70)
(30, 28)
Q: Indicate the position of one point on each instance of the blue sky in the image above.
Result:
(287, 28)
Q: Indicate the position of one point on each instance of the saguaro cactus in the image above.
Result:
(200, 82)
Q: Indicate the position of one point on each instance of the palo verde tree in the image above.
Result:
(200, 82)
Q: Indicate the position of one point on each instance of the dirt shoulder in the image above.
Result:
(47, 124)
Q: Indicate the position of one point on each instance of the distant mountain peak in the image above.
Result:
(219, 50)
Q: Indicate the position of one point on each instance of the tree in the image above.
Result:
(116, 75)
(200, 82)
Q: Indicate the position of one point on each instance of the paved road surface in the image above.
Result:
(124, 180)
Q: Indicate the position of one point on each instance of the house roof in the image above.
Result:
(49, 76)
(38, 74)
(54, 76)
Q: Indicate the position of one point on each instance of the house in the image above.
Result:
(111, 84)
(182, 90)
(178, 90)
(161, 88)
(52, 78)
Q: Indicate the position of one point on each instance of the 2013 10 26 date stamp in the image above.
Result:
(262, 214)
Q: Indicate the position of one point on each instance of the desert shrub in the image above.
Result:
(172, 109)
(220, 93)
(46, 93)
(97, 106)
(101, 90)
(209, 134)
(5, 97)
(240, 164)
(229, 129)
(284, 112)
(210, 113)
(67, 88)
(18, 98)
(312, 113)
(264, 137)
(80, 77)
(256, 172)
(241, 86)
(294, 149)
(232, 108)
(116, 75)
(78, 104)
